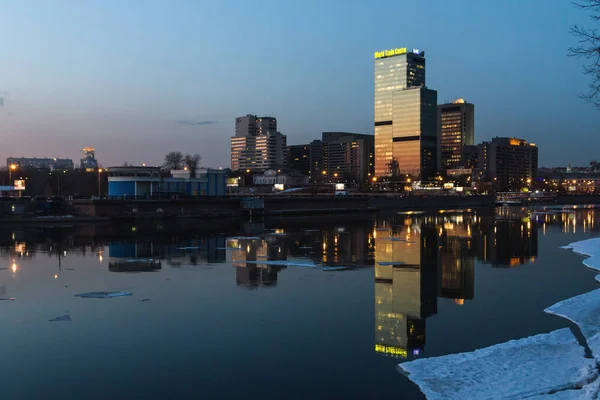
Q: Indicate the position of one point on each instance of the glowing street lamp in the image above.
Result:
(11, 168)
(99, 180)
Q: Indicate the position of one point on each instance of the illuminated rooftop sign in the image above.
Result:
(397, 52)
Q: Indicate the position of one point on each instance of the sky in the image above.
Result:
(139, 78)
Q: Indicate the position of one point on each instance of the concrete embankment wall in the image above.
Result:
(429, 202)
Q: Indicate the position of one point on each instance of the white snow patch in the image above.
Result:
(590, 248)
(536, 365)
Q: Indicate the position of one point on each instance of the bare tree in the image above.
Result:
(394, 168)
(191, 162)
(174, 160)
(589, 48)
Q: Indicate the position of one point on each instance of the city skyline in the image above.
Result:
(68, 83)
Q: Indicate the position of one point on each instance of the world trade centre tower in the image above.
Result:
(405, 116)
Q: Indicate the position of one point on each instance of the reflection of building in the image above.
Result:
(147, 256)
(347, 157)
(405, 115)
(253, 274)
(405, 288)
(456, 129)
(133, 257)
(257, 145)
(509, 244)
(457, 270)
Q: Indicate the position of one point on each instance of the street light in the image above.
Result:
(11, 168)
(99, 172)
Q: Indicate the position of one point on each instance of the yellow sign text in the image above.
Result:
(390, 53)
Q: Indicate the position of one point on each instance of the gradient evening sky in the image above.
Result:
(138, 78)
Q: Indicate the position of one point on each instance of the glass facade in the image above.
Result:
(405, 116)
(456, 130)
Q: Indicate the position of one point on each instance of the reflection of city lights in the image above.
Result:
(460, 302)
(14, 267)
(100, 258)
(248, 248)
(55, 276)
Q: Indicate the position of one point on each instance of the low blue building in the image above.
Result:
(150, 182)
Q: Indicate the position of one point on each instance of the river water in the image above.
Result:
(256, 311)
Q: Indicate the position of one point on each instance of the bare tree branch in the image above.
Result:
(589, 48)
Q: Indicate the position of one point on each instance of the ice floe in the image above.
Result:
(62, 318)
(103, 295)
(287, 263)
(537, 365)
(390, 263)
(584, 311)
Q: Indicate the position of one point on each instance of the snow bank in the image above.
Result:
(536, 365)
(590, 248)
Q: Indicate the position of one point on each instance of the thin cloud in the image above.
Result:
(193, 122)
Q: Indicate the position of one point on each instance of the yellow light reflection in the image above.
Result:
(14, 267)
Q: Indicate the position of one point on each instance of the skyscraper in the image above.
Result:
(307, 159)
(456, 129)
(89, 162)
(405, 115)
(257, 146)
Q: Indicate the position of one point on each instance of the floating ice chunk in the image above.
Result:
(103, 295)
(143, 300)
(517, 369)
(590, 248)
(246, 237)
(337, 268)
(390, 263)
(65, 317)
(584, 311)
(394, 239)
(287, 263)
(188, 248)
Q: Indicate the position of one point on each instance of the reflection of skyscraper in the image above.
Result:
(405, 288)
(457, 270)
(255, 274)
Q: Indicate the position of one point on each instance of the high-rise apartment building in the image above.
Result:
(257, 146)
(405, 115)
(347, 157)
(307, 159)
(509, 163)
(456, 129)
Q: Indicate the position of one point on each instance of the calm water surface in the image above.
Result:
(204, 321)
